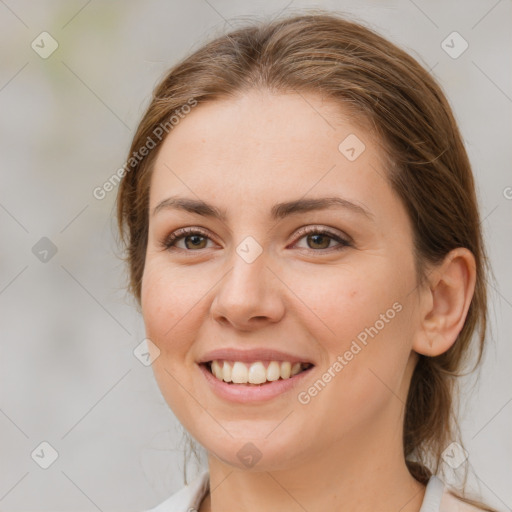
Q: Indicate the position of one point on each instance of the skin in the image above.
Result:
(343, 450)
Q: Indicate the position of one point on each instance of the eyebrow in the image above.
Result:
(278, 211)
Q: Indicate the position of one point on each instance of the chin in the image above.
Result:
(254, 455)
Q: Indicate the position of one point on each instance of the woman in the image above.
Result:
(303, 238)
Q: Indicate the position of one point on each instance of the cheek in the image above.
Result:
(344, 301)
(167, 310)
(366, 328)
(363, 376)
(165, 300)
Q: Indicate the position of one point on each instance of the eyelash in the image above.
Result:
(171, 239)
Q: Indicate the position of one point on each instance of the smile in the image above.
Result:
(241, 390)
(259, 372)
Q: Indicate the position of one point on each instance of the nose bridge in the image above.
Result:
(249, 270)
(244, 292)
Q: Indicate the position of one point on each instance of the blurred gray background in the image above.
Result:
(68, 375)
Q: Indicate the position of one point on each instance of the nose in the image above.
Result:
(249, 295)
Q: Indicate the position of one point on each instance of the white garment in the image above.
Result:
(188, 499)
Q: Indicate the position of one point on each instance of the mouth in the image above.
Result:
(259, 373)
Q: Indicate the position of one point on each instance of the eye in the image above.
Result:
(319, 238)
(194, 236)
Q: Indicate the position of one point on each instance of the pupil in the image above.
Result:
(321, 237)
(196, 238)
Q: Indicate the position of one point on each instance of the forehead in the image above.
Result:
(261, 146)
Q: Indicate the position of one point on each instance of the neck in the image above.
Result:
(348, 476)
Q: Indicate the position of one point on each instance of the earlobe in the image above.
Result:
(444, 303)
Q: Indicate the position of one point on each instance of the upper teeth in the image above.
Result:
(255, 373)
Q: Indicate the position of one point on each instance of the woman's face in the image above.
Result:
(268, 278)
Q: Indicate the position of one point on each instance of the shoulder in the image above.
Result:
(440, 498)
(451, 503)
(187, 498)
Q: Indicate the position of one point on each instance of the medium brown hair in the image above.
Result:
(427, 166)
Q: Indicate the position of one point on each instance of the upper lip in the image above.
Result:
(251, 356)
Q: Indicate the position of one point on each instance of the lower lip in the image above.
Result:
(243, 393)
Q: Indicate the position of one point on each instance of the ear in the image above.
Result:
(444, 302)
